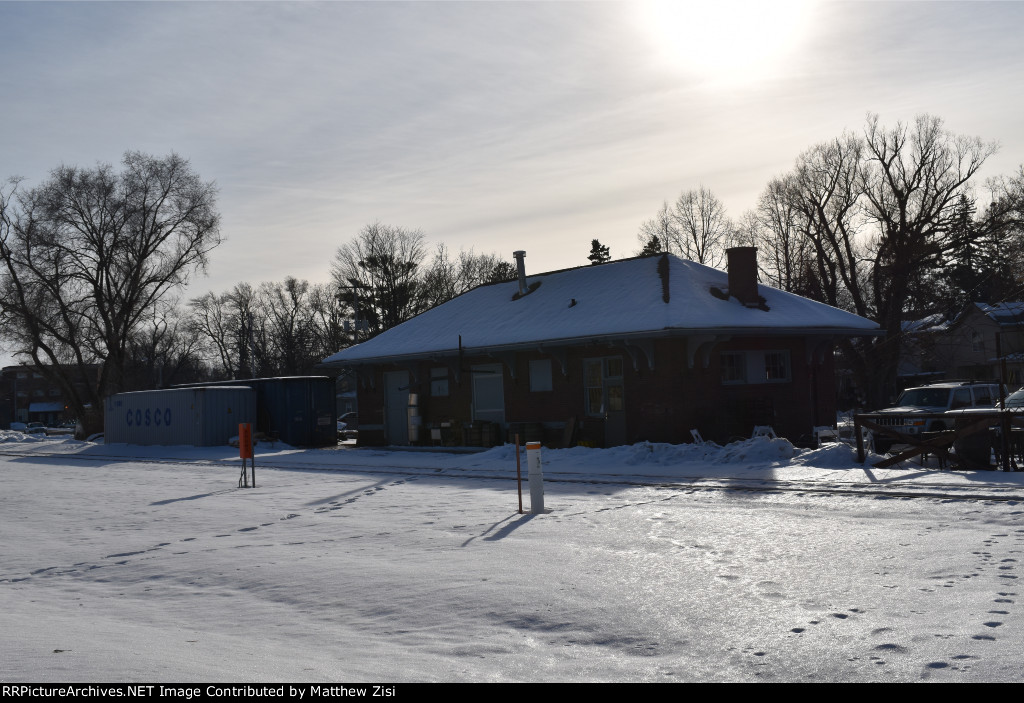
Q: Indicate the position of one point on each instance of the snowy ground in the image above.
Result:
(654, 563)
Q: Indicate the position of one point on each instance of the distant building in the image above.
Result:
(27, 396)
(648, 348)
(970, 345)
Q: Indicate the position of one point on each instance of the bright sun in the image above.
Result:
(726, 43)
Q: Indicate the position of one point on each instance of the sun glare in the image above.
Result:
(726, 43)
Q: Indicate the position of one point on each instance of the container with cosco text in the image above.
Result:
(200, 417)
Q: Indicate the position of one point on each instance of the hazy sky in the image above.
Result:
(497, 126)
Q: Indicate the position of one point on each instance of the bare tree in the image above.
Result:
(216, 323)
(696, 227)
(378, 271)
(825, 190)
(446, 278)
(87, 255)
(702, 227)
(864, 220)
(165, 350)
(329, 319)
(912, 181)
(658, 234)
(290, 325)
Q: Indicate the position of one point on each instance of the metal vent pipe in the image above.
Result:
(521, 270)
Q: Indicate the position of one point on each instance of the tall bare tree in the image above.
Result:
(445, 278)
(379, 272)
(913, 178)
(875, 214)
(702, 227)
(695, 227)
(87, 254)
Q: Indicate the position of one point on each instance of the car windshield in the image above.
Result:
(924, 398)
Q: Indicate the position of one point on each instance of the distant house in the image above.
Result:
(969, 345)
(648, 348)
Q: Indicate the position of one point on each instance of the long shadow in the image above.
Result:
(504, 531)
(361, 489)
(195, 497)
(509, 528)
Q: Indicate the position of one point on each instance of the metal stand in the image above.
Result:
(243, 479)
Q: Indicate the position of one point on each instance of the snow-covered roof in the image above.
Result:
(617, 300)
(932, 323)
(1003, 313)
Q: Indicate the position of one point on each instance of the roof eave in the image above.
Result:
(606, 338)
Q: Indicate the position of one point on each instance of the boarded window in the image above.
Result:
(439, 381)
(540, 375)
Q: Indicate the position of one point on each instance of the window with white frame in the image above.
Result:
(748, 367)
(540, 375)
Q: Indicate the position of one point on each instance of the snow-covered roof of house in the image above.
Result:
(932, 323)
(631, 298)
(1003, 313)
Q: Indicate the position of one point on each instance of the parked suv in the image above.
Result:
(934, 398)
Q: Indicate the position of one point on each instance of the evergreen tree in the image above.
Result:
(599, 254)
(653, 246)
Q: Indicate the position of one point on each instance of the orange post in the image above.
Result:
(245, 452)
(245, 440)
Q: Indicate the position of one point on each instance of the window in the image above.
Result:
(755, 367)
(983, 396)
(961, 398)
(439, 381)
(540, 375)
(602, 385)
(55, 392)
(734, 367)
(776, 366)
(977, 342)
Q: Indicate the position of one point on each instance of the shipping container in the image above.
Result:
(200, 417)
(298, 410)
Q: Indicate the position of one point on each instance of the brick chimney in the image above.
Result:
(742, 269)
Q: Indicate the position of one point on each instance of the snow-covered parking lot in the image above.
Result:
(654, 563)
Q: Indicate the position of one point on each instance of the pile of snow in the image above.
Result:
(759, 450)
(16, 436)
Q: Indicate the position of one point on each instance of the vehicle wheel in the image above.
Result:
(881, 445)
